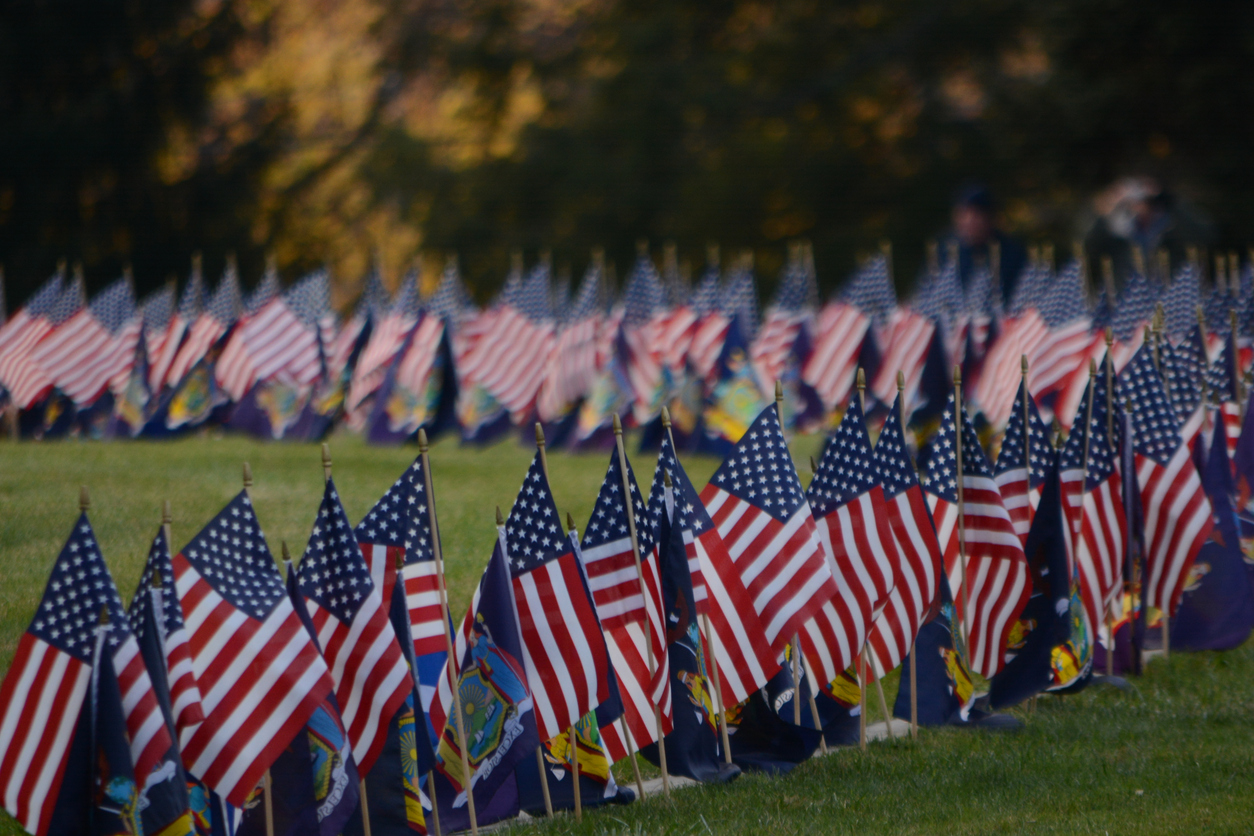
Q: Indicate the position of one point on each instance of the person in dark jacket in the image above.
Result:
(979, 242)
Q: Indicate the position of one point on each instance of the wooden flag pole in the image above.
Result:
(364, 805)
(710, 638)
(574, 734)
(452, 664)
(914, 680)
(860, 382)
(644, 595)
(500, 522)
(268, 801)
(962, 533)
(1157, 329)
(1027, 426)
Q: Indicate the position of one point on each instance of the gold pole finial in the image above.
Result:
(326, 460)
(539, 435)
(1110, 337)
(1092, 368)
(666, 478)
(248, 476)
(287, 555)
(570, 522)
(957, 375)
(166, 516)
(814, 466)
(860, 380)
(500, 520)
(779, 391)
(618, 426)
(666, 418)
(1023, 364)
(84, 499)
(423, 446)
(901, 381)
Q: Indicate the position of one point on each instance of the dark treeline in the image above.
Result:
(343, 133)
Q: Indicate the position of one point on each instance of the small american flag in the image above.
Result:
(24, 379)
(1180, 301)
(281, 341)
(268, 288)
(157, 592)
(838, 338)
(209, 326)
(1177, 512)
(389, 329)
(347, 609)
(259, 672)
(622, 608)
(793, 309)
(1134, 309)
(1221, 380)
(572, 377)
(919, 571)
(1060, 361)
(1093, 507)
(997, 578)
(565, 656)
(48, 679)
(400, 525)
(94, 348)
(995, 388)
(871, 290)
(904, 343)
(852, 519)
(1020, 472)
(760, 511)
(1184, 368)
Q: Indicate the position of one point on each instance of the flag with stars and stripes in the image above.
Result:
(996, 579)
(838, 338)
(1092, 495)
(260, 674)
(390, 325)
(760, 511)
(48, 680)
(1180, 301)
(629, 605)
(351, 622)
(996, 385)
(1175, 508)
(564, 650)
(1222, 383)
(775, 348)
(1059, 364)
(904, 344)
(156, 602)
(210, 325)
(93, 350)
(919, 570)
(849, 510)
(399, 526)
(162, 331)
(23, 378)
(1184, 369)
(745, 658)
(1020, 469)
(571, 379)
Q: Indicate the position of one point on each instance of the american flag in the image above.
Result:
(739, 299)
(388, 333)
(852, 519)
(623, 607)
(904, 344)
(1134, 309)
(24, 379)
(997, 578)
(259, 672)
(1184, 369)
(48, 679)
(515, 344)
(565, 657)
(833, 359)
(399, 525)
(210, 325)
(1000, 376)
(1221, 380)
(268, 288)
(163, 349)
(281, 341)
(1060, 361)
(919, 569)
(93, 349)
(572, 374)
(760, 511)
(372, 679)
(1093, 504)
(1176, 510)
(745, 658)
(644, 306)
(157, 592)
(1020, 472)
(1036, 276)
(793, 310)
(162, 333)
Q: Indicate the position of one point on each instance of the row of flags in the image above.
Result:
(281, 363)
(686, 626)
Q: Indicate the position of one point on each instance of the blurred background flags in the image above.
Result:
(1024, 455)
(210, 325)
(19, 374)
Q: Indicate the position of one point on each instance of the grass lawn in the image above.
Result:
(1175, 755)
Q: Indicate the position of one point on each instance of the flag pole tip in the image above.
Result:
(860, 379)
(957, 375)
(1092, 368)
(618, 424)
(779, 391)
(814, 466)
(570, 522)
(248, 476)
(423, 446)
(666, 418)
(1110, 336)
(326, 459)
(539, 435)
(84, 499)
(666, 478)
(901, 381)
(1023, 364)
(500, 520)
(166, 516)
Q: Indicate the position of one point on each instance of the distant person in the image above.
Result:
(980, 244)
(1135, 219)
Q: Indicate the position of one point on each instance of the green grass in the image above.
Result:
(1175, 755)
